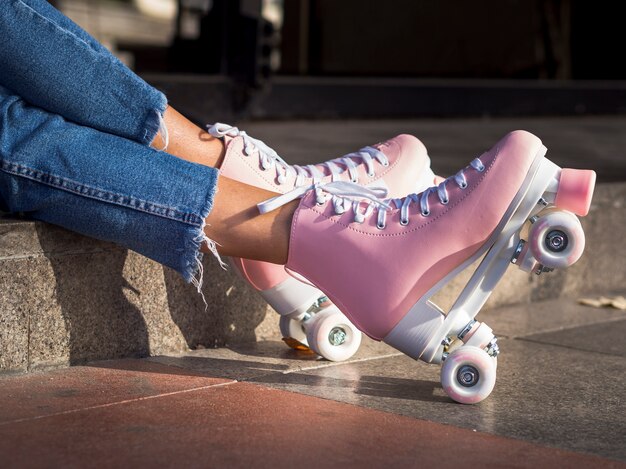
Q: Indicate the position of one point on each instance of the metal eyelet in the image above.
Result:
(371, 175)
(404, 222)
(354, 181)
(463, 185)
(444, 202)
(380, 227)
(385, 164)
(425, 214)
(481, 169)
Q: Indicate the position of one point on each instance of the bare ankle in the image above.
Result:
(188, 141)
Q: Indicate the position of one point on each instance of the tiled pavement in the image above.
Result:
(559, 402)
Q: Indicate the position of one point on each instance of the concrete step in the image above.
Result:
(67, 299)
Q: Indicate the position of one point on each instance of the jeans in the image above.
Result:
(75, 125)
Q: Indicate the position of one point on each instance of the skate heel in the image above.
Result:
(291, 297)
(575, 190)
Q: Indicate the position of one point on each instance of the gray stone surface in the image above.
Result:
(555, 315)
(14, 315)
(68, 299)
(606, 338)
(252, 360)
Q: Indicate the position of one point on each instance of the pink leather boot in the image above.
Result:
(381, 262)
(397, 167)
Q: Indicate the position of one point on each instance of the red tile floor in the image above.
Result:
(137, 413)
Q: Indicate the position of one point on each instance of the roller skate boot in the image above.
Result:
(395, 167)
(381, 261)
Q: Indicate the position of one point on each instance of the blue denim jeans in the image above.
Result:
(75, 125)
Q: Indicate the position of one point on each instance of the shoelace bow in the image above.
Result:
(270, 159)
(346, 195)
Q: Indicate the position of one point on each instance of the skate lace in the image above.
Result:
(269, 159)
(346, 195)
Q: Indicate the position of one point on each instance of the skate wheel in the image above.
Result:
(468, 375)
(292, 328)
(557, 239)
(575, 190)
(331, 335)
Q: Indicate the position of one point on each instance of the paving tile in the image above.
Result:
(244, 425)
(41, 394)
(246, 361)
(545, 394)
(553, 315)
(602, 338)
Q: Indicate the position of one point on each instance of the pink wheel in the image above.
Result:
(575, 190)
(331, 335)
(557, 239)
(468, 375)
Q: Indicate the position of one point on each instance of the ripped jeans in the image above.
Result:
(75, 129)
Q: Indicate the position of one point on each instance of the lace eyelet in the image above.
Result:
(444, 202)
(404, 222)
(385, 164)
(371, 175)
(481, 168)
(463, 186)
(425, 214)
(354, 181)
(380, 227)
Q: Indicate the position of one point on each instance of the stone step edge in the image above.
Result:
(67, 299)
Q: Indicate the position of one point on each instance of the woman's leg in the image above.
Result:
(149, 201)
(53, 64)
(186, 140)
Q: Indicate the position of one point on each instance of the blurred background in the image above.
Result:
(485, 57)
(326, 60)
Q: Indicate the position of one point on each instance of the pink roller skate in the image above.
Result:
(396, 167)
(381, 262)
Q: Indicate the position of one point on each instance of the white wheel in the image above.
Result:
(468, 375)
(331, 335)
(557, 239)
(292, 328)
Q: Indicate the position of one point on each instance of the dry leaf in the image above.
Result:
(617, 302)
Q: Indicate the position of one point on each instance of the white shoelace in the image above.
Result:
(270, 159)
(346, 195)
